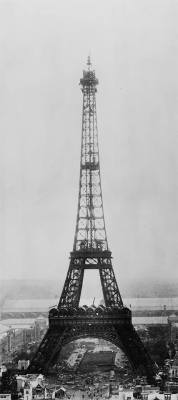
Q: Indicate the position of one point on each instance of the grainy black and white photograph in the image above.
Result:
(88, 199)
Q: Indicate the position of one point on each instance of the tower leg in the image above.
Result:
(137, 354)
(45, 355)
(73, 285)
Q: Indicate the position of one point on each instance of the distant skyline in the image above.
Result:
(44, 46)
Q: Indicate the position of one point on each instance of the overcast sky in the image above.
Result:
(43, 50)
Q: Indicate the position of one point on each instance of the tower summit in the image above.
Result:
(68, 321)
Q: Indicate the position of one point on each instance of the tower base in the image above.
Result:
(111, 324)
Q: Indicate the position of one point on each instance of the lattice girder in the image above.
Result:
(90, 249)
(90, 226)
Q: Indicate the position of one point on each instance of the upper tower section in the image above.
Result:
(89, 80)
(90, 234)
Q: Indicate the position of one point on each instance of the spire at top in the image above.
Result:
(89, 62)
(89, 79)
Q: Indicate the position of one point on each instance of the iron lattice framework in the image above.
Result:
(90, 251)
(90, 227)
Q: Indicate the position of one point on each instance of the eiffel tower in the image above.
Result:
(69, 321)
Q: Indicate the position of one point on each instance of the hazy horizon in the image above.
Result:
(44, 289)
(43, 50)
